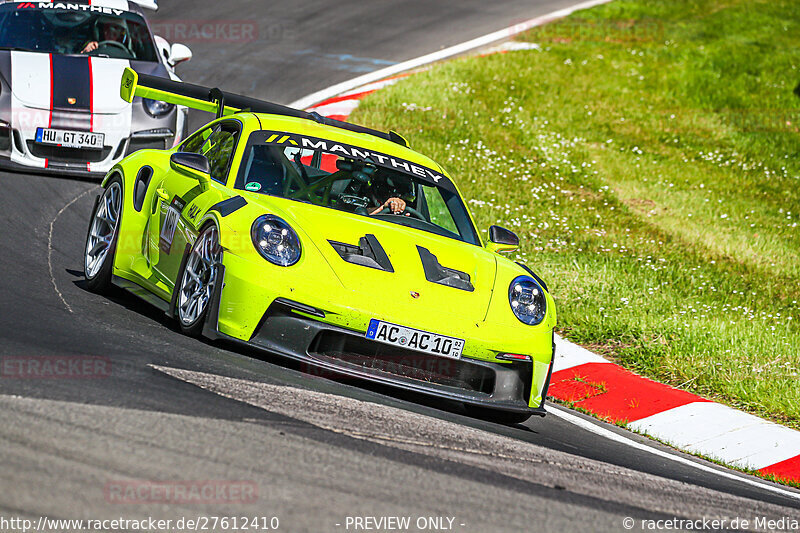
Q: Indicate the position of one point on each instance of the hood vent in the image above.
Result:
(368, 253)
(436, 273)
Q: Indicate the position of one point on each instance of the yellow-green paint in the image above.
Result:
(349, 294)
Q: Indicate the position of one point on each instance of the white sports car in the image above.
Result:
(60, 66)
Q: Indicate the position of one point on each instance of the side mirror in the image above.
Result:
(502, 240)
(192, 165)
(179, 53)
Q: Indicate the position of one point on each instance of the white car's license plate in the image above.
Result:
(70, 139)
(414, 339)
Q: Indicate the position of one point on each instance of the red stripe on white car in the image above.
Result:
(91, 95)
(91, 102)
(50, 120)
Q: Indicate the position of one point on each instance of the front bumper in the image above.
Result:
(290, 329)
(19, 151)
(7, 164)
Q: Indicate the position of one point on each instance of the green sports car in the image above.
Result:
(326, 242)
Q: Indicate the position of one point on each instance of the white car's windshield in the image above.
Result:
(355, 180)
(97, 32)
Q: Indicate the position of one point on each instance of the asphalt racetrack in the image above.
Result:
(315, 451)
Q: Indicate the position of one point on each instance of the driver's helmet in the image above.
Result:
(67, 19)
(393, 184)
(111, 29)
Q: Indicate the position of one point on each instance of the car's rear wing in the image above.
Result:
(223, 103)
(147, 4)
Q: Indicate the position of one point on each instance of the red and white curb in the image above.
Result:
(588, 381)
(339, 107)
(679, 418)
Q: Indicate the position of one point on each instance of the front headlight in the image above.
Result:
(275, 240)
(156, 108)
(527, 300)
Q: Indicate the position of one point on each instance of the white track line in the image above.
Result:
(50, 247)
(603, 432)
(377, 75)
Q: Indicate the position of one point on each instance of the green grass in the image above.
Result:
(647, 156)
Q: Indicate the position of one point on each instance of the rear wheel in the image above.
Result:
(101, 240)
(494, 415)
(197, 281)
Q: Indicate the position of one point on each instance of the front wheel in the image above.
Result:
(101, 240)
(197, 281)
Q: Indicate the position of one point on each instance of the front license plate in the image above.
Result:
(414, 339)
(70, 139)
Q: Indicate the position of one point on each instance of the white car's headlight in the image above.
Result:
(156, 108)
(527, 300)
(275, 240)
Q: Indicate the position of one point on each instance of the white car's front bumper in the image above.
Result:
(121, 137)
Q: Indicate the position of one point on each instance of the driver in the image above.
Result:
(108, 29)
(395, 205)
(63, 42)
(389, 187)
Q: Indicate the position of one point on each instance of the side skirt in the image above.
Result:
(140, 292)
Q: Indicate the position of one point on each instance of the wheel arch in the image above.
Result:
(116, 170)
(133, 222)
(209, 218)
(228, 236)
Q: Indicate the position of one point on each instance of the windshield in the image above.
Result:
(354, 180)
(81, 29)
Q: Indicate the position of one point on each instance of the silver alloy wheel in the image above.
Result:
(104, 225)
(199, 276)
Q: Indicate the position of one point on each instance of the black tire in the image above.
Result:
(192, 323)
(98, 276)
(497, 416)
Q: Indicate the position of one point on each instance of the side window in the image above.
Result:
(439, 213)
(218, 144)
(196, 141)
(221, 145)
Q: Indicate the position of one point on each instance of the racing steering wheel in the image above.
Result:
(410, 210)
